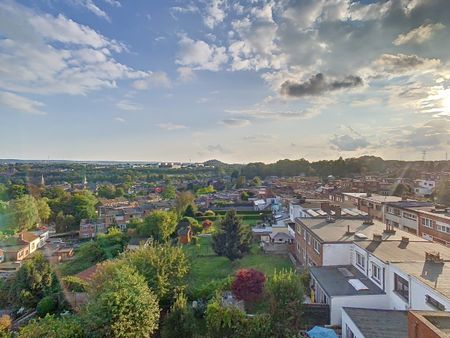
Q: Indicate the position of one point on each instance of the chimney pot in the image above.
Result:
(377, 237)
(405, 239)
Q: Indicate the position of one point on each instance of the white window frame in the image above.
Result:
(360, 260)
(316, 245)
(376, 276)
(427, 223)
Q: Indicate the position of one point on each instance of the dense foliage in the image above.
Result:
(180, 321)
(53, 327)
(159, 225)
(232, 238)
(121, 304)
(248, 284)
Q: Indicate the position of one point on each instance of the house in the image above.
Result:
(372, 204)
(404, 214)
(87, 274)
(280, 238)
(424, 187)
(32, 240)
(429, 324)
(374, 323)
(91, 228)
(14, 249)
(434, 225)
(63, 254)
(43, 234)
(321, 241)
(344, 286)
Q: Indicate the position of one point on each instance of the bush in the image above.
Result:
(75, 284)
(52, 327)
(209, 213)
(208, 290)
(223, 321)
(180, 321)
(46, 305)
(5, 324)
(248, 284)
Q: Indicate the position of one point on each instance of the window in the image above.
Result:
(443, 228)
(304, 234)
(409, 215)
(426, 222)
(316, 246)
(376, 272)
(434, 303)
(348, 332)
(360, 260)
(401, 287)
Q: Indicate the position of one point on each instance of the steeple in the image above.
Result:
(42, 181)
(85, 182)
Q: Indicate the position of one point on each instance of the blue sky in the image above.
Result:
(238, 81)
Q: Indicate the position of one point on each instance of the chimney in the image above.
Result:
(405, 239)
(377, 237)
(368, 220)
(433, 257)
(325, 206)
(348, 231)
(337, 211)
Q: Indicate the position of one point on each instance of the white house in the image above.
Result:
(424, 187)
(404, 214)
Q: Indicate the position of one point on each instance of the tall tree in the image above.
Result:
(159, 224)
(33, 280)
(83, 205)
(121, 304)
(443, 193)
(43, 208)
(232, 239)
(169, 192)
(180, 321)
(23, 213)
(182, 200)
(285, 297)
(163, 266)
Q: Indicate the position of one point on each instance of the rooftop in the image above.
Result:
(398, 251)
(434, 275)
(379, 323)
(334, 280)
(337, 231)
(374, 197)
(437, 321)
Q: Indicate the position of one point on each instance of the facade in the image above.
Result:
(428, 324)
(434, 226)
(372, 204)
(405, 214)
(91, 228)
(424, 187)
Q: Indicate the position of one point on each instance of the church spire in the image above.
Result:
(42, 181)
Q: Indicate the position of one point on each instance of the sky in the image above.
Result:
(238, 81)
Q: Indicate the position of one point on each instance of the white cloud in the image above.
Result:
(185, 74)
(128, 105)
(215, 13)
(252, 114)
(119, 119)
(418, 35)
(46, 55)
(169, 126)
(348, 142)
(20, 103)
(197, 54)
(235, 122)
(93, 8)
(152, 79)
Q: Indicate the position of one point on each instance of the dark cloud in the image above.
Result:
(348, 143)
(318, 85)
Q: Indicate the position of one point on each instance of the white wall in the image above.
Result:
(361, 301)
(346, 321)
(336, 254)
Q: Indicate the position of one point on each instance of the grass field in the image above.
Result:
(206, 266)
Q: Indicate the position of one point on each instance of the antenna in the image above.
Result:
(424, 154)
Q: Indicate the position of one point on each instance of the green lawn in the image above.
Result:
(206, 266)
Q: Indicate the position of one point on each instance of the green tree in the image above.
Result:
(256, 181)
(53, 327)
(190, 211)
(46, 305)
(169, 192)
(106, 191)
(240, 182)
(232, 238)
(83, 205)
(3, 192)
(23, 213)
(443, 193)
(223, 321)
(33, 280)
(43, 208)
(182, 200)
(159, 224)
(400, 190)
(244, 196)
(206, 190)
(163, 266)
(17, 191)
(180, 321)
(121, 304)
(285, 298)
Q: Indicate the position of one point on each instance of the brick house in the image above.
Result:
(434, 226)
